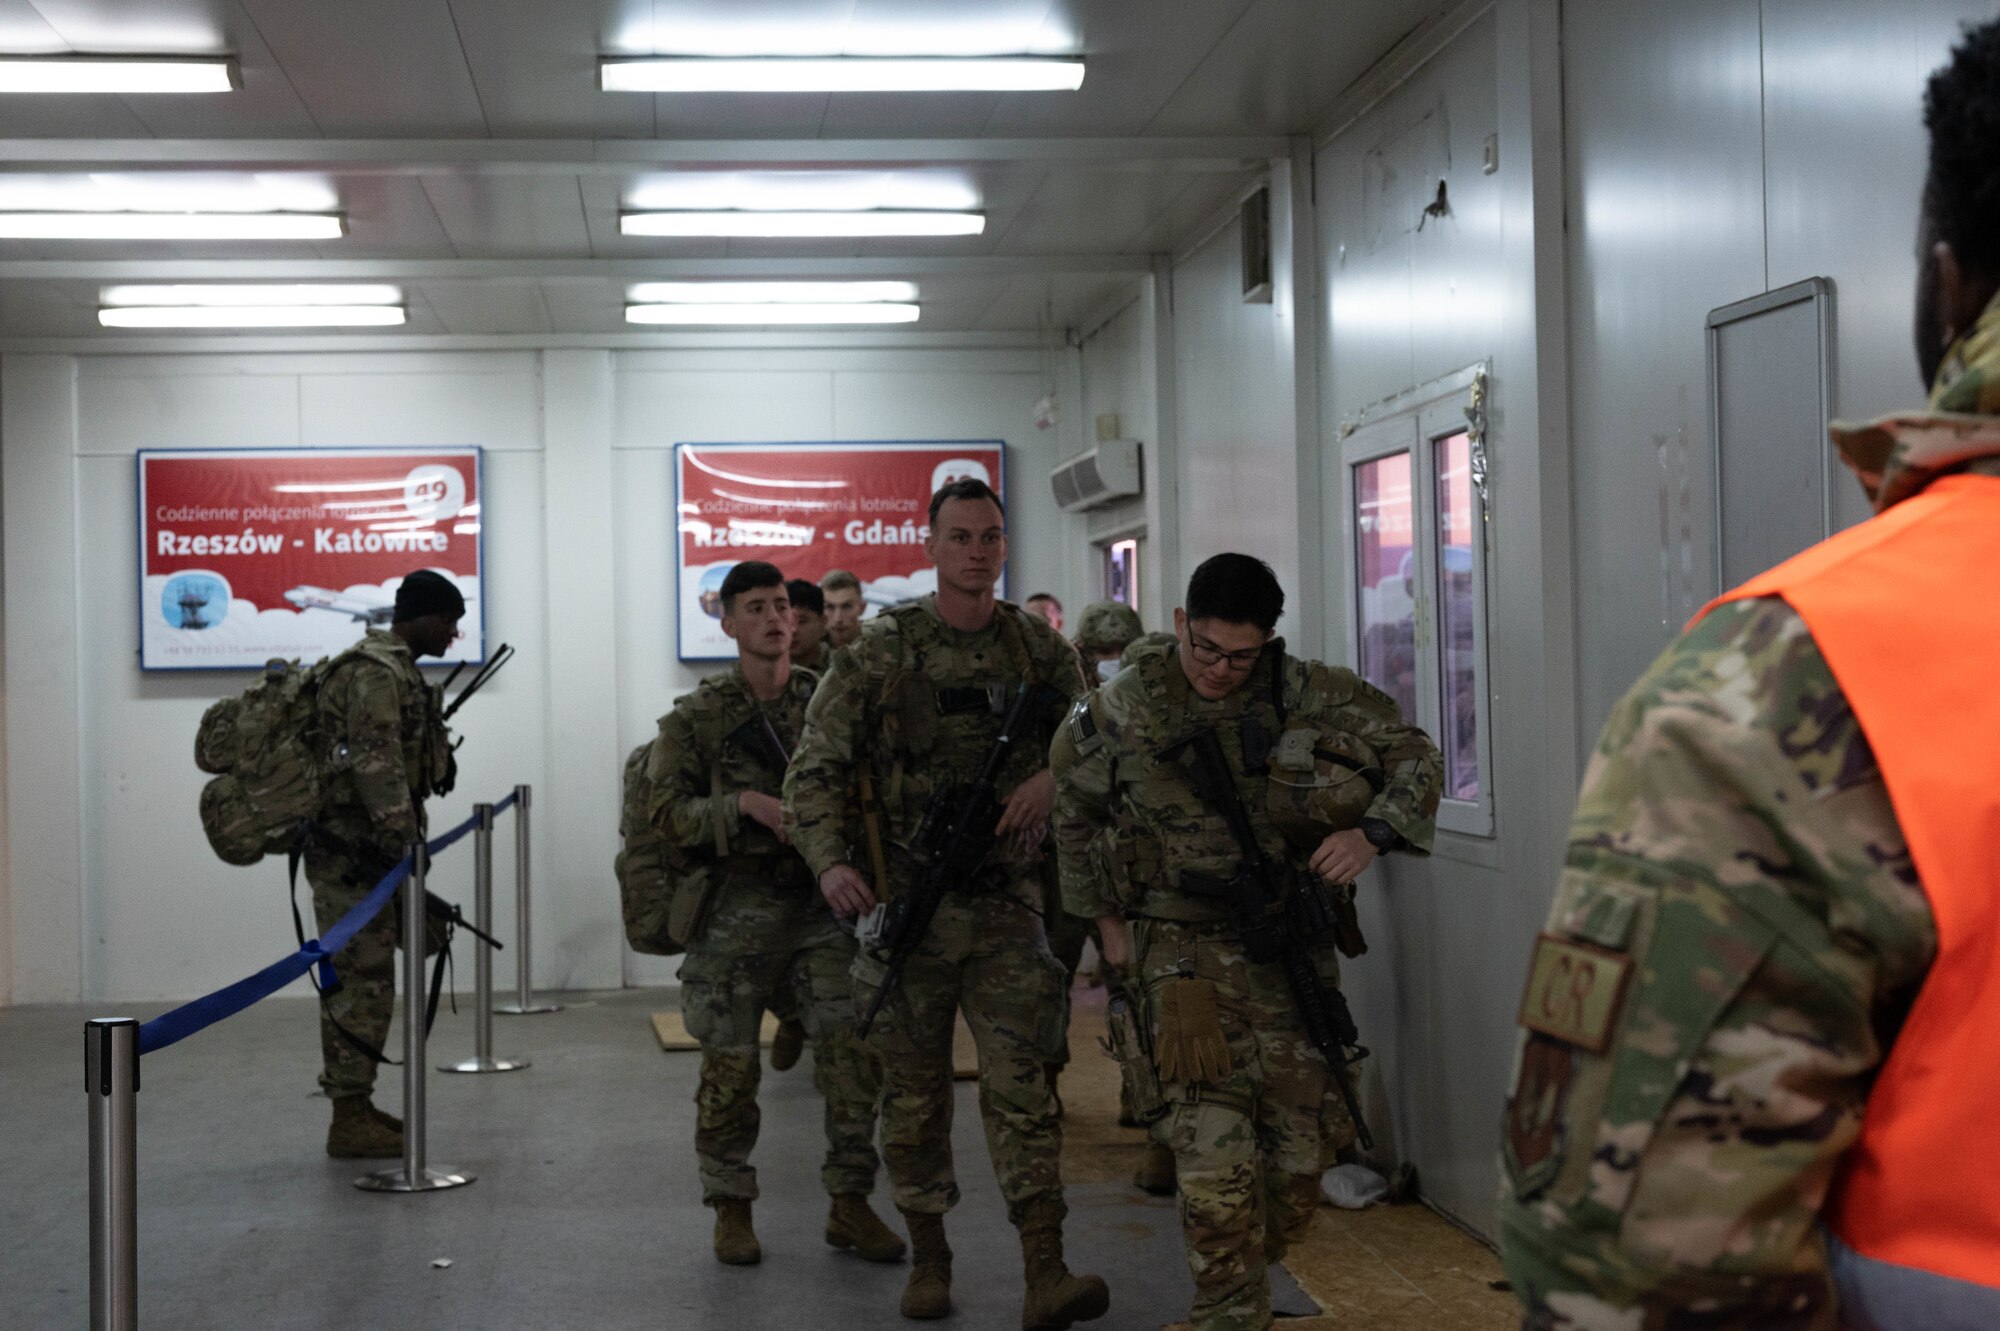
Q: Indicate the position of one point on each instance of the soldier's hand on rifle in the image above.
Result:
(1342, 856)
(765, 809)
(1029, 806)
(846, 891)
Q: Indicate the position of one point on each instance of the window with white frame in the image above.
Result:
(1416, 528)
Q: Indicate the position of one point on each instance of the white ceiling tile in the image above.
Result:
(489, 217)
(374, 67)
(1280, 68)
(388, 217)
(488, 307)
(535, 66)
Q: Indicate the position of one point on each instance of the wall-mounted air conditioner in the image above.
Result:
(1109, 471)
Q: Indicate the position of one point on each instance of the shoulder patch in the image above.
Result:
(1574, 991)
(1084, 733)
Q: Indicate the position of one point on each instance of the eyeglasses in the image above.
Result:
(1206, 653)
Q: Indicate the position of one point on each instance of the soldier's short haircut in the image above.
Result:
(969, 488)
(749, 576)
(840, 580)
(805, 595)
(1962, 113)
(1240, 589)
(1045, 596)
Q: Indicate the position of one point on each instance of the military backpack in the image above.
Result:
(648, 866)
(266, 752)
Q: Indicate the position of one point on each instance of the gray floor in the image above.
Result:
(586, 1213)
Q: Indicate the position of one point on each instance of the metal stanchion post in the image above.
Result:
(524, 1003)
(482, 964)
(414, 1175)
(111, 1079)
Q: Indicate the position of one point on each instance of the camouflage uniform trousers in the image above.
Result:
(987, 955)
(1248, 1152)
(757, 943)
(366, 1000)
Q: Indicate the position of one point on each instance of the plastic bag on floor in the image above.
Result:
(1353, 1187)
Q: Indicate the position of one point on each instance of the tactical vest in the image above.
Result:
(924, 729)
(428, 764)
(717, 733)
(1893, 607)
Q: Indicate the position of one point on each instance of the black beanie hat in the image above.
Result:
(427, 593)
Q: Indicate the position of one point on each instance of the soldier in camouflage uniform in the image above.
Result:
(389, 751)
(1109, 635)
(752, 923)
(1736, 860)
(909, 706)
(1253, 1116)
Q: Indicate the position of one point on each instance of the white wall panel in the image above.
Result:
(44, 831)
(1666, 223)
(125, 414)
(1239, 448)
(495, 409)
(1843, 97)
(661, 408)
(1409, 299)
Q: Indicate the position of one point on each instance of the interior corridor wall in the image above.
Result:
(1411, 297)
(119, 897)
(1718, 149)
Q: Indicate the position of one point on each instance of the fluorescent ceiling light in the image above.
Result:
(252, 316)
(243, 294)
(120, 74)
(765, 293)
(882, 313)
(171, 226)
(747, 223)
(840, 74)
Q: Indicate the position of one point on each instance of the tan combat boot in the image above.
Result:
(358, 1133)
(1156, 1174)
(735, 1241)
(1055, 1299)
(927, 1294)
(787, 1045)
(386, 1119)
(853, 1224)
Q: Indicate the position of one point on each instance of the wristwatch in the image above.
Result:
(1380, 835)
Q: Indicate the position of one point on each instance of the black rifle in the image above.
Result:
(951, 846)
(501, 657)
(761, 737)
(1278, 909)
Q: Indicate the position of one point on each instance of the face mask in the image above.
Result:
(1106, 669)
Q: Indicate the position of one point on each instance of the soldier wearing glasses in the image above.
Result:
(1329, 776)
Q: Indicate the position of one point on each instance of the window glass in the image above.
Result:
(1386, 560)
(1458, 648)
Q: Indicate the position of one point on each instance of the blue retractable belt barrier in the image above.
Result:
(201, 1013)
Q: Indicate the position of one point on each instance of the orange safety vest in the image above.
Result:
(1906, 610)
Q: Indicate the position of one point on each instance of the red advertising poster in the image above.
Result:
(810, 509)
(246, 555)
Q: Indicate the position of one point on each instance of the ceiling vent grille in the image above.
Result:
(1109, 471)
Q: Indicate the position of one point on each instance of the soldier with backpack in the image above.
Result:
(744, 907)
(387, 749)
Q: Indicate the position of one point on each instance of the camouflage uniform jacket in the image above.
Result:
(1734, 839)
(908, 699)
(1127, 824)
(389, 747)
(709, 751)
